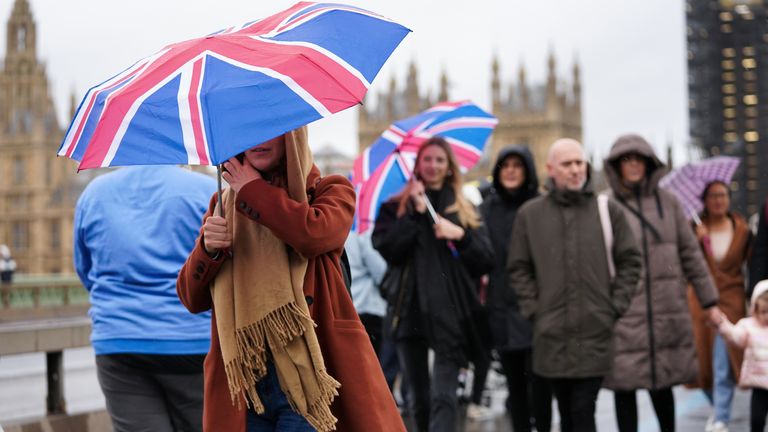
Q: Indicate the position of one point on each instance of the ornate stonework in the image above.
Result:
(37, 189)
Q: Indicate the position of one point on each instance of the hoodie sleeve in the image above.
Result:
(520, 268)
(693, 263)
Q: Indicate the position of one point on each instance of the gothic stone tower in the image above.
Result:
(37, 190)
(535, 115)
(396, 105)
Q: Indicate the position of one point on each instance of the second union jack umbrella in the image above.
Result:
(205, 100)
(688, 182)
(385, 167)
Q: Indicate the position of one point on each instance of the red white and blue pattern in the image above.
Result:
(205, 100)
(689, 181)
(385, 167)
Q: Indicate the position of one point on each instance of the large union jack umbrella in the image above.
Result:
(205, 100)
(385, 167)
(689, 181)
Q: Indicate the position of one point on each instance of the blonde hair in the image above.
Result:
(468, 217)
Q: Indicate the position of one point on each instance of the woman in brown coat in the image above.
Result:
(288, 351)
(653, 340)
(725, 240)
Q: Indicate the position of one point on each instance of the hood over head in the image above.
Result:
(759, 289)
(530, 186)
(633, 143)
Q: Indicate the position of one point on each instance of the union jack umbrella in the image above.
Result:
(385, 167)
(689, 181)
(204, 100)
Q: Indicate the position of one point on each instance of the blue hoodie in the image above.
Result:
(133, 230)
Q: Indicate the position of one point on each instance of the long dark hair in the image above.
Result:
(705, 192)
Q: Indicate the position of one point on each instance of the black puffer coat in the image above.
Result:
(509, 330)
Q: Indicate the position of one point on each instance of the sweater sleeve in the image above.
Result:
(311, 229)
(693, 263)
(735, 334)
(195, 276)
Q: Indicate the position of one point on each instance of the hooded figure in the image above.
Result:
(653, 342)
(511, 333)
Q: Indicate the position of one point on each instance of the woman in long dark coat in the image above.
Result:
(430, 284)
(653, 340)
(514, 183)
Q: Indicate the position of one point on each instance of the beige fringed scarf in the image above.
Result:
(261, 312)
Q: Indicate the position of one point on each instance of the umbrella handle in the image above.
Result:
(221, 206)
(435, 218)
(695, 217)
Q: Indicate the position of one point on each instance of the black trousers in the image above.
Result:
(530, 395)
(758, 409)
(433, 402)
(576, 400)
(626, 409)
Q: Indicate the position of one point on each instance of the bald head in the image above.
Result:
(566, 164)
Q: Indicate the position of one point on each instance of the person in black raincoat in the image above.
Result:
(514, 183)
(431, 282)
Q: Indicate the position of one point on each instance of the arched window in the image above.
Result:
(21, 39)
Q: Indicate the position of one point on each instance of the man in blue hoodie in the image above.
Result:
(133, 230)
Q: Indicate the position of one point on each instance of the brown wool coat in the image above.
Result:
(729, 280)
(317, 231)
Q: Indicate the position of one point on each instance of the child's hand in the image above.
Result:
(715, 316)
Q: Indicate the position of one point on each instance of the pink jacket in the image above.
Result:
(753, 338)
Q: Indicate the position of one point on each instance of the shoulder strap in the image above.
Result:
(605, 222)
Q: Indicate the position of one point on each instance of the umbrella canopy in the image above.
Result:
(205, 100)
(688, 182)
(385, 167)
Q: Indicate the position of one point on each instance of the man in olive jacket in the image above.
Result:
(559, 269)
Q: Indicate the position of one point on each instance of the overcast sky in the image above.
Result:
(631, 52)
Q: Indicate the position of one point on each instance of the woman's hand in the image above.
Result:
(215, 235)
(416, 191)
(701, 231)
(238, 174)
(447, 230)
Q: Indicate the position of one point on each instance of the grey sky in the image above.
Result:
(632, 52)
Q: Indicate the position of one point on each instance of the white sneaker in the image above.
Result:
(719, 426)
(479, 412)
(710, 423)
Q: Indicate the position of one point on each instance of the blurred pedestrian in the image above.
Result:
(367, 268)
(514, 183)
(132, 232)
(431, 282)
(572, 282)
(7, 265)
(725, 240)
(286, 339)
(758, 262)
(654, 347)
(751, 335)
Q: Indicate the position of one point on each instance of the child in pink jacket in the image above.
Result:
(751, 334)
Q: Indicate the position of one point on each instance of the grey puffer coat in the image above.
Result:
(653, 340)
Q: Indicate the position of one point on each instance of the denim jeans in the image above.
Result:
(278, 414)
(724, 382)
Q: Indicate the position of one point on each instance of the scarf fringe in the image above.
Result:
(319, 413)
(277, 328)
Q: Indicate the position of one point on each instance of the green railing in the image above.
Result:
(40, 296)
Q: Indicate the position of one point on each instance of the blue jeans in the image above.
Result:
(724, 383)
(278, 414)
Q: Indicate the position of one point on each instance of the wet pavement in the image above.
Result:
(22, 395)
